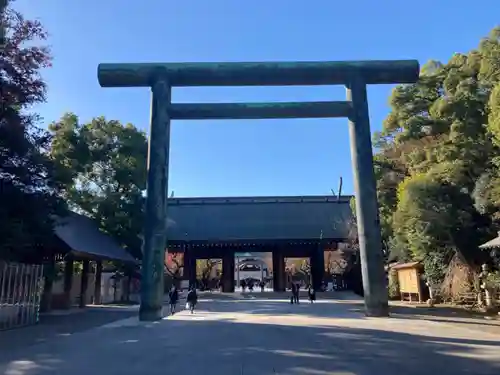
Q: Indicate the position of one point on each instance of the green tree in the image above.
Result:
(487, 189)
(105, 169)
(435, 220)
(29, 189)
(440, 139)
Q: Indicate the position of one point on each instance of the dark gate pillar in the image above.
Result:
(190, 266)
(84, 283)
(278, 270)
(69, 267)
(228, 272)
(98, 282)
(156, 203)
(317, 259)
(370, 241)
(50, 274)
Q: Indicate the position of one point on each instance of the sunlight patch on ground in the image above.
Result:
(292, 353)
(474, 351)
(309, 371)
(113, 307)
(21, 367)
(26, 367)
(129, 322)
(285, 300)
(130, 341)
(354, 320)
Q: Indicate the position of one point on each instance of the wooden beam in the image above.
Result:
(258, 73)
(223, 111)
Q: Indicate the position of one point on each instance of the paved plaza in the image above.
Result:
(265, 334)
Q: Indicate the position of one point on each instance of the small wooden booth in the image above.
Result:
(410, 282)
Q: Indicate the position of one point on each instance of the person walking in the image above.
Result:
(191, 300)
(297, 291)
(312, 294)
(173, 295)
(293, 287)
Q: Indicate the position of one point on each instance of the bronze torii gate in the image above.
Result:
(355, 75)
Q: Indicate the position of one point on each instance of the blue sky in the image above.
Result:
(239, 158)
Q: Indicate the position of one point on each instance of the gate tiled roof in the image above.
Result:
(86, 240)
(258, 218)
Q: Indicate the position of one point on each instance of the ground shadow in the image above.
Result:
(217, 340)
(438, 311)
(57, 325)
(448, 315)
(194, 346)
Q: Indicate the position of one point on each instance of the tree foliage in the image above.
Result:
(438, 165)
(105, 173)
(335, 262)
(174, 265)
(206, 269)
(29, 188)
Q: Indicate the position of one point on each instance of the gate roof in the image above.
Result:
(258, 218)
(87, 241)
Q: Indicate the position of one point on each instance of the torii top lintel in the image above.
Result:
(258, 73)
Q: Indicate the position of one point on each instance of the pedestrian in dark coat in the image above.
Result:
(297, 291)
(173, 295)
(294, 291)
(312, 294)
(192, 299)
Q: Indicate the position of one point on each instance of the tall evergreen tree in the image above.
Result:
(28, 184)
(438, 159)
